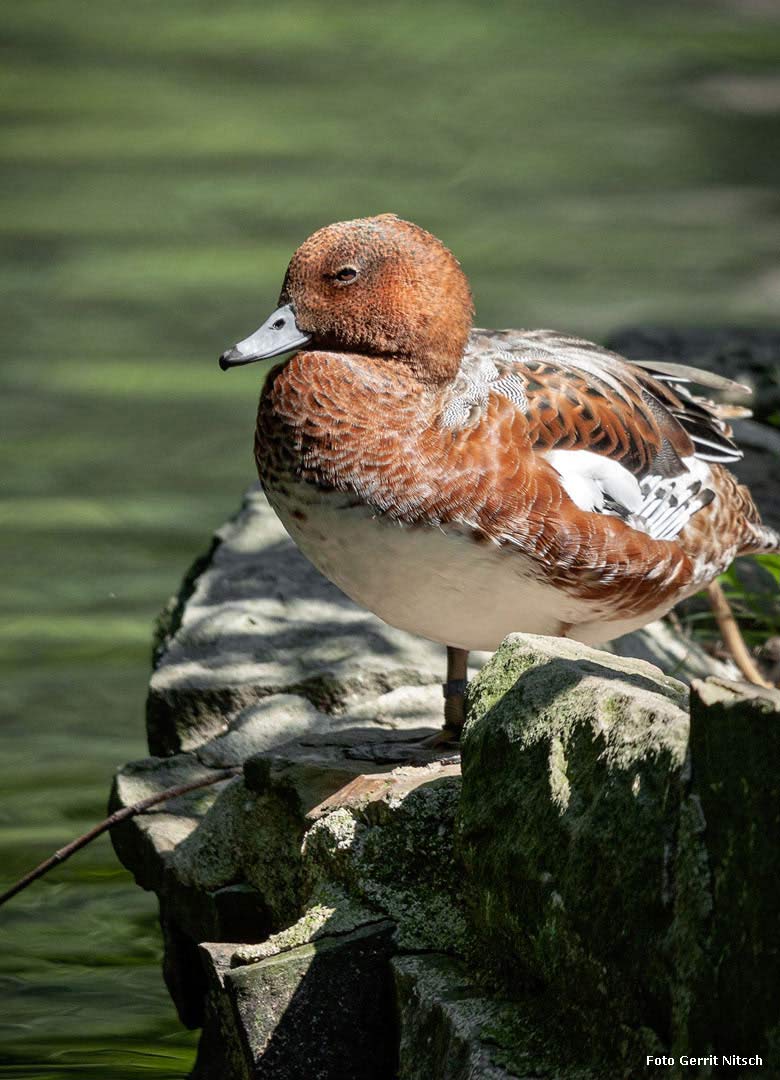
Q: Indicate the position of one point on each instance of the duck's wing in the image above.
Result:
(630, 440)
(578, 394)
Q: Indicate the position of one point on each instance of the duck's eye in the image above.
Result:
(346, 274)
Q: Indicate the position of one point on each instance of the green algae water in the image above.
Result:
(592, 164)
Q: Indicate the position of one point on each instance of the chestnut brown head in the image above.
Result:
(378, 286)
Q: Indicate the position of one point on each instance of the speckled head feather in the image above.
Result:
(382, 286)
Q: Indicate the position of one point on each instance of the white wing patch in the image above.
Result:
(659, 506)
(594, 481)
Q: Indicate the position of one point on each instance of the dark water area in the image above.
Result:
(593, 164)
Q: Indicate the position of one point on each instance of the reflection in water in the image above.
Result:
(591, 164)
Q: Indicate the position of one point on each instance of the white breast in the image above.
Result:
(444, 586)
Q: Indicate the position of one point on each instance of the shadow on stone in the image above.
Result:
(320, 1011)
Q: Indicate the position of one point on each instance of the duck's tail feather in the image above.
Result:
(761, 540)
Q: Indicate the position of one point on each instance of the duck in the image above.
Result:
(464, 484)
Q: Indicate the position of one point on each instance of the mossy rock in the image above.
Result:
(396, 855)
(726, 931)
(571, 795)
(622, 857)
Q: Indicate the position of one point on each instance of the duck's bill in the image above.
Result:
(278, 334)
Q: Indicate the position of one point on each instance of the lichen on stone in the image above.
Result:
(247, 837)
(331, 913)
(397, 855)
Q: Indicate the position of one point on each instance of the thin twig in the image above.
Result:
(732, 636)
(108, 823)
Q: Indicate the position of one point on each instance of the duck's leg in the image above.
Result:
(455, 690)
(454, 698)
(443, 745)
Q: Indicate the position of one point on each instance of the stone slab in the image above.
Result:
(730, 954)
(255, 618)
(322, 1010)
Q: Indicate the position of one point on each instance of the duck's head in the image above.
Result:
(378, 286)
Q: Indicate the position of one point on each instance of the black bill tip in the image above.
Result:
(228, 359)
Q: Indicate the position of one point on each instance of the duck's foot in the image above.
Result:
(428, 751)
(444, 745)
(447, 737)
(454, 690)
(454, 715)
